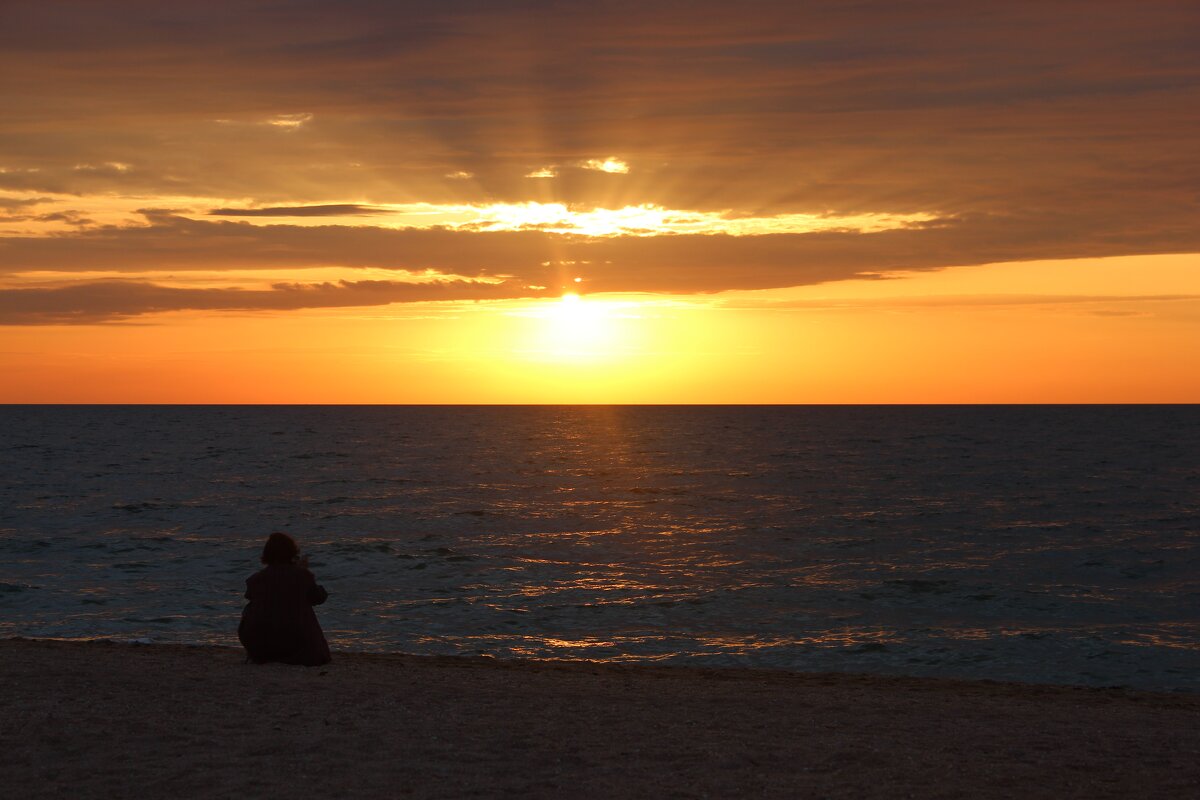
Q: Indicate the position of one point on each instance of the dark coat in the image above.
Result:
(279, 624)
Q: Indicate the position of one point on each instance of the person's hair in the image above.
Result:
(280, 549)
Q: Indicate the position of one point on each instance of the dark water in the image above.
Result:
(1055, 543)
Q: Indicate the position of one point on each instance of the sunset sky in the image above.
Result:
(300, 201)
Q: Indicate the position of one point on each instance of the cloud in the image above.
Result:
(107, 166)
(289, 121)
(679, 264)
(338, 210)
(110, 301)
(13, 203)
(67, 216)
(1041, 130)
(798, 107)
(610, 165)
(965, 301)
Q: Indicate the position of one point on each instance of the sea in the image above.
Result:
(1046, 544)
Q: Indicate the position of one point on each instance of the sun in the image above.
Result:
(575, 329)
(579, 326)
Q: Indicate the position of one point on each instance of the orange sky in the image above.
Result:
(782, 203)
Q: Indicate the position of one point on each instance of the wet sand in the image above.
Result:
(99, 719)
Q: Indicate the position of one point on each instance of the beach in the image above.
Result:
(105, 719)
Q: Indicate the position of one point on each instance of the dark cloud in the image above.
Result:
(798, 105)
(109, 301)
(13, 203)
(678, 264)
(343, 210)
(69, 217)
(968, 301)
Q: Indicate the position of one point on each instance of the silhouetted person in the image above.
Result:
(279, 624)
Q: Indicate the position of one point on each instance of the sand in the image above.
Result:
(99, 719)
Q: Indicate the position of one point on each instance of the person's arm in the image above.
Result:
(316, 593)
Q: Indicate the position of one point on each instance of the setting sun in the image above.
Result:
(578, 329)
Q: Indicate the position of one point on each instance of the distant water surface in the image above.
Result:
(1040, 543)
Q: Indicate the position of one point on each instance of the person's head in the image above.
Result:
(280, 549)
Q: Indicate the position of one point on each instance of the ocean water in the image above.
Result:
(1037, 543)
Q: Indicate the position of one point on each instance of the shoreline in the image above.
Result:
(700, 670)
(632, 663)
(101, 718)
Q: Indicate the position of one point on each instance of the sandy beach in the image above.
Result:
(100, 719)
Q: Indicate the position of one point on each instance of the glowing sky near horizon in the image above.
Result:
(782, 202)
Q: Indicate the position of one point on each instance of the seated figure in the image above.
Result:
(279, 624)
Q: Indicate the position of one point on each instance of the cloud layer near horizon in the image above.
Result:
(107, 301)
(1028, 130)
